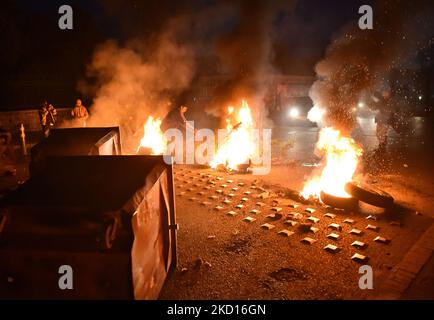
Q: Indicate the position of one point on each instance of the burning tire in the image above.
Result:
(339, 202)
(369, 195)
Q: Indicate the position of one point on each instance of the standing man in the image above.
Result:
(79, 113)
(176, 119)
(47, 117)
(383, 118)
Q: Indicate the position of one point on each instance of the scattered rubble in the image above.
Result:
(381, 240)
(304, 227)
(275, 216)
(268, 226)
(249, 219)
(372, 227)
(335, 226)
(333, 236)
(330, 215)
(285, 232)
(291, 223)
(356, 232)
(359, 244)
(314, 229)
(313, 219)
(308, 240)
(331, 248)
(359, 258)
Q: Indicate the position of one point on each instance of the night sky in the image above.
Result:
(39, 60)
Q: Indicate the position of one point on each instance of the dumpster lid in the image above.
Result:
(74, 141)
(99, 183)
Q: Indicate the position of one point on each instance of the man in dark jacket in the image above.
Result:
(175, 119)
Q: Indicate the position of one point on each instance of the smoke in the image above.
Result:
(143, 76)
(139, 79)
(246, 52)
(358, 59)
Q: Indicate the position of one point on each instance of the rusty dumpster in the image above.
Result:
(111, 219)
(76, 142)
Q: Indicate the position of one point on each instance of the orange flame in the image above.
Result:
(153, 136)
(342, 157)
(238, 145)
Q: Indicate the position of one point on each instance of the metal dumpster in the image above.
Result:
(110, 218)
(76, 142)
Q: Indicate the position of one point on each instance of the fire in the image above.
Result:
(342, 157)
(238, 145)
(153, 136)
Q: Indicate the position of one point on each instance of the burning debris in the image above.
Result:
(153, 141)
(356, 62)
(237, 148)
(342, 157)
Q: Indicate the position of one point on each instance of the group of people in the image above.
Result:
(176, 117)
(48, 116)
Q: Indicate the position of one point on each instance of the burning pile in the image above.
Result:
(238, 146)
(341, 160)
(153, 141)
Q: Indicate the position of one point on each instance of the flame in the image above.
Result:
(342, 157)
(153, 136)
(238, 145)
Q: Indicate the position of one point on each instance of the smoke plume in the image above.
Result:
(138, 80)
(245, 51)
(143, 76)
(358, 59)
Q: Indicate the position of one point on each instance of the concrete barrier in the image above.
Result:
(11, 120)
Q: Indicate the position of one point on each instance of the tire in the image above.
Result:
(339, 202)
(372, 196)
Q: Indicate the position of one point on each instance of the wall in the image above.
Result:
(11, 120)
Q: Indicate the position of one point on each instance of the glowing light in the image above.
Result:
(294, 112)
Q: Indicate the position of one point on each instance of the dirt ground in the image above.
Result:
(223, 257)
(220, 256)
